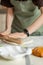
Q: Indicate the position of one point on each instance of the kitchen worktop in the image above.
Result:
(37, 41)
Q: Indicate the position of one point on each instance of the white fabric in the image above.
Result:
(9, 52)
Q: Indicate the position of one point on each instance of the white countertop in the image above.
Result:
(37, 41)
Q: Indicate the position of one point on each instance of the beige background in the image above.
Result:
(2, 18)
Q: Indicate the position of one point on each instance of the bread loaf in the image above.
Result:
(38, 51)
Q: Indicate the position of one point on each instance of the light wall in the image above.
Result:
(2, 18)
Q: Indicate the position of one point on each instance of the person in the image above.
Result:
(24, 18)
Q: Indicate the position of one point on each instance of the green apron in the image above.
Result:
(25, 13)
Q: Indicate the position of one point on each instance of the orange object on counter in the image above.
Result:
(38, 51)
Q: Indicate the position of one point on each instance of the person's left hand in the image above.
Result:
(17, 35)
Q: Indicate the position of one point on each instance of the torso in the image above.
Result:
(25, 14)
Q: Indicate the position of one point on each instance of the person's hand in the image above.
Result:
(17, 35)
(6, 32)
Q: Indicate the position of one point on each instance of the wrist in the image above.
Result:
(8, 30)
(26, 32)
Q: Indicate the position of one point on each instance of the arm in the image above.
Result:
(37, 24)
(9, 19)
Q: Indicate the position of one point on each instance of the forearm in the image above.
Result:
(9, 18)
(36, 25)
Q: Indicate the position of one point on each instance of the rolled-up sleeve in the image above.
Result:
(6, 3)
(39, 3)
